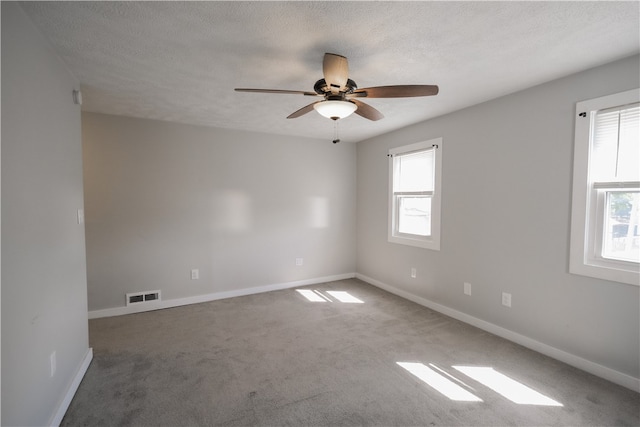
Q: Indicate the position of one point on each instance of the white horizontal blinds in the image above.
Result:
(616, 185)
(615, 144)
(414, 173)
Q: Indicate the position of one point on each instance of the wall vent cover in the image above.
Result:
(142, 297)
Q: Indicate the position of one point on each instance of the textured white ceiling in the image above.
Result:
(180, 61)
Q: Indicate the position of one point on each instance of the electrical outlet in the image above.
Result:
(506, 299)
(467, 288)
(299, 261)
(53, 363)
(195, 274)
(413, 273)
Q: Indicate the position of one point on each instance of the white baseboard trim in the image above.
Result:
(158, 305)
(576, 361)
(56, 419)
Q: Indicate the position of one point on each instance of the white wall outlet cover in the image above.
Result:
(467, 288)
(506, 299)
(413, 273)
(80, 216)
(195, 274)
(77, 97)
(299, 261)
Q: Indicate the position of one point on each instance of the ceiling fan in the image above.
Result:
(341, 94)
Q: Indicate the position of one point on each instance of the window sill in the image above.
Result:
(614, 273)
(432, 244)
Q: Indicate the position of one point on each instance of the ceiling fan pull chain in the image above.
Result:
(336, 136)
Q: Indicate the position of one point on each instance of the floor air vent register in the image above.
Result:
(143, 297)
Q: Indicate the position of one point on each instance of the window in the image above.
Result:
(414, 194)
(605, 235)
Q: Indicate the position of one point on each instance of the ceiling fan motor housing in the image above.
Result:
(322, 88)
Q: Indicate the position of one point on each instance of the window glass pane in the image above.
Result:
(415, 171)
(414, 215)
(621, 234)
(616, 145)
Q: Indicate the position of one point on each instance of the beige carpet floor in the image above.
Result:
(278, 358)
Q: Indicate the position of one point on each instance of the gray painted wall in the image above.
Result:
(44, 292)
(163, 198)
(507, 180)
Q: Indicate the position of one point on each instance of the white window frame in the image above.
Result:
(588, 202)
(426, 242)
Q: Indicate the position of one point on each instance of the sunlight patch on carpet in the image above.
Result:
(507, 387)
(310, 295)
(345, 297)
(443, 385)
(340, 296)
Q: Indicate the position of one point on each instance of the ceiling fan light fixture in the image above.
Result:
(335, 110)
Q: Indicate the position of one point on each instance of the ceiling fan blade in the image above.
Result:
(399, 91)
(336, 71)
(304, 110)
(291, 92)
(367, 111)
